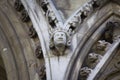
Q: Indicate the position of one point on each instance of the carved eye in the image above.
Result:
(61, 34)
(57, 35)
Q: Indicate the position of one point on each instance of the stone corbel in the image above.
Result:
(102, 46)
(85, 71)
(93, 59)
(60, 39)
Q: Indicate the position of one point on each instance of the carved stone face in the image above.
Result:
(92, 57)
(59, 39)
(101, 45)
(85, 71)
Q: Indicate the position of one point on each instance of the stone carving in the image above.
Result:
(102, 46)
(111, 69)
(116, 37)
(32, 33)
(38, 52)
(93, 59)
(24, 16)
(108, 34)
(42, 72)
(94, 3)
(60, 39)
(49, 13)
(85, 71)
(52, 18)
(18, 5)
(44, 6)
(112, 33)
(82, 13)
(74, 22)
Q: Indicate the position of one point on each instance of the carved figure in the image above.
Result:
(18, 5)
(24, 16)
(42, 72)
(38, 52)
(108, 34)
(93, 59)
(51, 18)
(101, 47)
(85, 71)
(44, 6)
(74, 21)
(32, 33)
(60, 39)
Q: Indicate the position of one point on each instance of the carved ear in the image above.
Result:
(51, 45)
(68, 43)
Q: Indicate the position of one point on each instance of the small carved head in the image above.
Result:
(42, 72)
(59, 39)
(92, 57)
(101, 45)
(85, 71)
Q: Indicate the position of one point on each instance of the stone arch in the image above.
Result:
(16, 48)
(92, 35)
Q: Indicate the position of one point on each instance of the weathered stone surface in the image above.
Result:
(17, 48)
(67, 7)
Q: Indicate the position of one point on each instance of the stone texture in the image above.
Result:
(67, 7)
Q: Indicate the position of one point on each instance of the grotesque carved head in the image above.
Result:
(102, 45)
(60, 39)
(85, 71)
(92, 57)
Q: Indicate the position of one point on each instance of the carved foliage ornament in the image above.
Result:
(82, 13)
(60, 39)
(49, 13)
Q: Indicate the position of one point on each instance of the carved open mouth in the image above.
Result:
(60, 39)
(98, 47)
